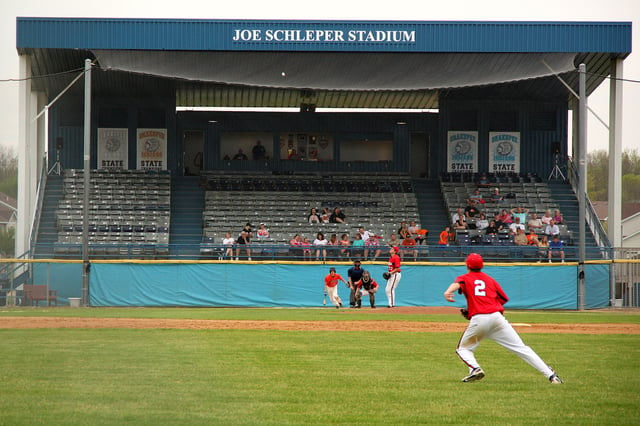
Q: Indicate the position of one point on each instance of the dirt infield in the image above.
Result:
(345, 325)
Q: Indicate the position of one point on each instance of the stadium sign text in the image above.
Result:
(324, 36)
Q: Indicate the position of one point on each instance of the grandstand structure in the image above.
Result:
(177, 107)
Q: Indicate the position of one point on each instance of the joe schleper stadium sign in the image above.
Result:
(323, 35)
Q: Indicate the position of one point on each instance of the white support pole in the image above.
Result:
(614, 228)
(615, 154)
(87, 189)
(27, 158)
(582, 183)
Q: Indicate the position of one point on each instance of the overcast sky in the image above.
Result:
(420, 10)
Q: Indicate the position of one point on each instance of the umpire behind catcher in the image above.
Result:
(354, 274)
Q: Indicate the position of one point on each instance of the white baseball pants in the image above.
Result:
(496, 327)
(332, 292)
(390, 290)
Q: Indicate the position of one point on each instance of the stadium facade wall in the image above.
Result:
(295, 285)
(541, 124)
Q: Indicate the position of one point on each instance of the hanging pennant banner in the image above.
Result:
(113, 149)
(152, 149)
(504, 152)
(462, 155)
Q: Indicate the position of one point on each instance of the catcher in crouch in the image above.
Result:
(366, 286)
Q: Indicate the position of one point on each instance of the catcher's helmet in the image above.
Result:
(474, 261)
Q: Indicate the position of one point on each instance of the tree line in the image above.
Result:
(598, 175)
(9, 186)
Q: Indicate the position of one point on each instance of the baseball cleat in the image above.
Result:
(476, 374)
(555, 380)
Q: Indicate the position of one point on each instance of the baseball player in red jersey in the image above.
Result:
(394, 276)
(485, 300)
(331, 286)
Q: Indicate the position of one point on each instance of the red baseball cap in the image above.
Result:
(474, 261)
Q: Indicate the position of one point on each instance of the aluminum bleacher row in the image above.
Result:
(529, 193)
(283, 203)
(129, 213)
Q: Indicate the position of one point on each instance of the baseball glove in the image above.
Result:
(386, 275)
(464, 313)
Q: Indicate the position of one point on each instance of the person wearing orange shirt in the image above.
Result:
(331, 287)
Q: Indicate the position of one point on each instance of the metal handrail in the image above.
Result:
(592, 219)
(35, 222)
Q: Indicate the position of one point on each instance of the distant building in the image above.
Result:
(8, 212)
(630, 221)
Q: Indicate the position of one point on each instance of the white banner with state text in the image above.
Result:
(462, 155)
(152, 149)
(504, 152)
(113, 149)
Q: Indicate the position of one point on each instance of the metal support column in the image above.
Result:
(87, 189)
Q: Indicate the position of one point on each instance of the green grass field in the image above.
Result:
(163, 376)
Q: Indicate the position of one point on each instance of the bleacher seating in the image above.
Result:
(129, 212)
(283, 203)
(518, 190)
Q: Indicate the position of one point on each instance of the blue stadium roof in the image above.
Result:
(269, 63)
(359, 36)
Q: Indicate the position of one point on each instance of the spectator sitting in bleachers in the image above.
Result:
(532, 237)
(403, 231)
(505, 218)
(227, 243)
(471, 210)
(295, 246)
(460, 224)
(357, 247)
(344, 245)
(372, 246)
(520, 212)
(496, 197)
(458, 214)
(337, 216)
(408, 247)
(498, 223)
(520, 238)
(420, 235)
(482, 223)
(393, 241)
(543, 248)
(333, 247)
(483, 180)
(513, 228)
(535, 223)
(556, 248)
(325, 215)
(314, 217)
(557, 217)
(477, 197)
(552, 229)
(307, 253)
(262, 232)
(547, 218)
(492, 229)
(364, 234)
(240, 155)
(320, 244)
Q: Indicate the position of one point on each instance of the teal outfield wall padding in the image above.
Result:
(294, 285)
(66, 278)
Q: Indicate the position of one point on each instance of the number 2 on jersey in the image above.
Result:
(479, 288)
